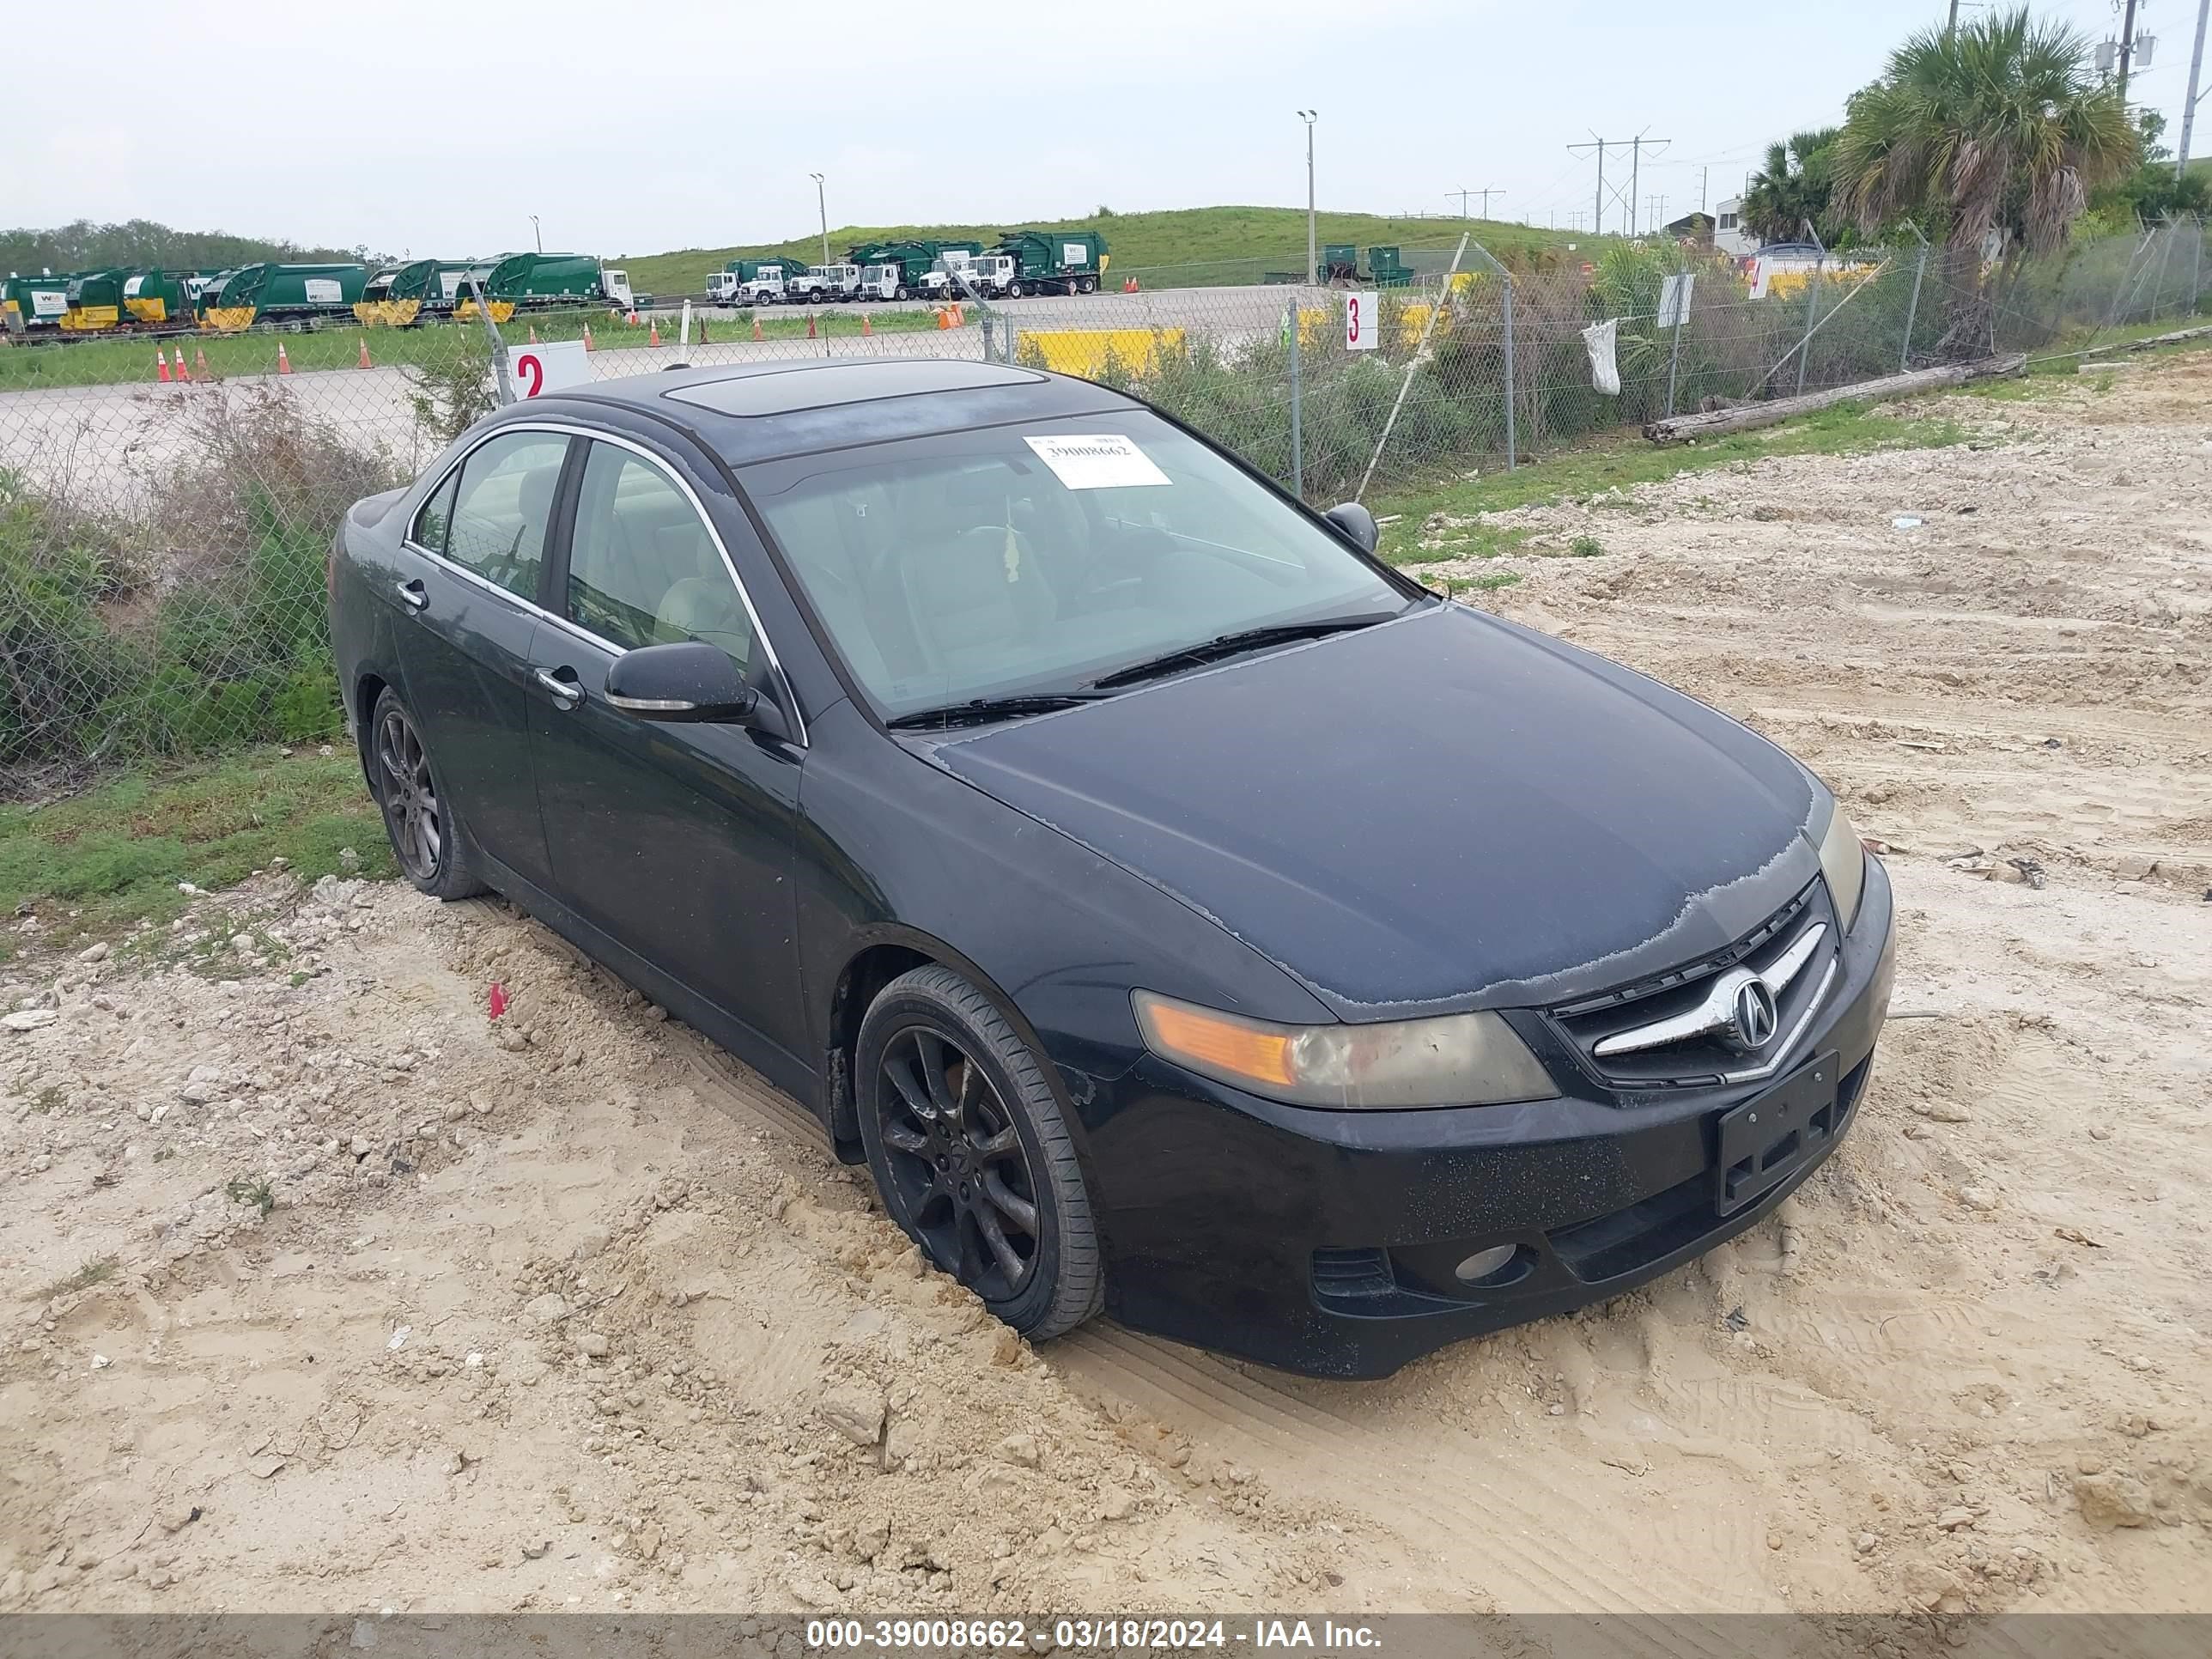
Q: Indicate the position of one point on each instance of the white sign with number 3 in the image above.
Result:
(538, 369)
(1362, 321)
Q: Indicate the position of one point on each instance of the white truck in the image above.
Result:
(885, 281)
(996, 276)
(953, 276)
(822, 283)
(750, 282)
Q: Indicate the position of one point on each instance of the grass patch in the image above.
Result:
(1625, 459)
(100, 862)
(97, 1271)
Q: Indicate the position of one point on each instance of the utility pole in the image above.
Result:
(1462, 195)
(1952, 28)
(821, 202)
(2127, 46)
(1313, 255)
(1635, 147)
(1702, 175)
(1597, 200)
(2189, 104)
(1489, 191)
(1486, 192)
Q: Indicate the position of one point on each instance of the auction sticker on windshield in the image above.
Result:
(1097, 461)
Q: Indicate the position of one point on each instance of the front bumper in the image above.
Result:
(1324, 1242)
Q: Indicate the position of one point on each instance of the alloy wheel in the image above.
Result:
(408, 796)
(960, 1177)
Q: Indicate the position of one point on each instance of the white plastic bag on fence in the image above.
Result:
(1604, 374)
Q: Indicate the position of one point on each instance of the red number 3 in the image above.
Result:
(1354, 305)
(533, 369)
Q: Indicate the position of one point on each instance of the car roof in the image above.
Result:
(763, 411)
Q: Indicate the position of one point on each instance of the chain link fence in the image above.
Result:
(163, 530)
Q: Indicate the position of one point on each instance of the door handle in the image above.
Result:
(413, 595)
(567, 693)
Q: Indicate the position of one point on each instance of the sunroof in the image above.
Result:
(824, 385)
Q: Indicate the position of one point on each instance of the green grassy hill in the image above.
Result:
(1237, 243)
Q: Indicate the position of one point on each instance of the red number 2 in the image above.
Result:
(533, 369)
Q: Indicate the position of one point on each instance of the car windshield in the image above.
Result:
(1039, 558)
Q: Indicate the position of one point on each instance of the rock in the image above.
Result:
(1954, 1518)
(177, 1516)
(266, 1466)
(1115, 1505)
(1929, 1585)
(855, 1410)
(29, 1019)
(536, 1552)
(593, 1345)
(2112, 1499)
(93, 953)
(1941, 1110)
(1866, 1543)
(1021, 1449)
(1977, 1197)
(546, 1308)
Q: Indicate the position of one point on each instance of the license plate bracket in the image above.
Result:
(1765, 1141)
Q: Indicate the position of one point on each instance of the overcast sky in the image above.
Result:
(438, 130)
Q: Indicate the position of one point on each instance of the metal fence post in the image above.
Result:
(1812, 306)
(1512, 444)
(1675, 354)
(498, 345)
(1297, 434)
(1913, 306)
(2165, 251)
(2196, 267)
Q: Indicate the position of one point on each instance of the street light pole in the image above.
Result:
(821, 202)
(537, 234)
(1313, 253)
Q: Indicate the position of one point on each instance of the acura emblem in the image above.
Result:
(1752, 1015)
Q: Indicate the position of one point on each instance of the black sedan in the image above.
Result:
(1183, 914)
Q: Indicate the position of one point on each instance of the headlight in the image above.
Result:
(1457, 1059)
(1842, 863)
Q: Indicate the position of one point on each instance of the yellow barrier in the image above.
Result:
(1084, 352)
(386, 313)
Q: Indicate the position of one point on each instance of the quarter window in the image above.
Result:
(436, 514)
(503, 506)
(642, 569)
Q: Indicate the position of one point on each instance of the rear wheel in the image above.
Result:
(972, 1154)
(426, 835)
(1087, 285)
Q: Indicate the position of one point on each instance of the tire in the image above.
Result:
(974, 1175)
(900, 294)
(410, 794)
(1087, 285)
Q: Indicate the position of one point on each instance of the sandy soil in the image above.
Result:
(568, 1309)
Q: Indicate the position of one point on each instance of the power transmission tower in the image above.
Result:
(1635, 147)
(1597, 199)
(1655, 206)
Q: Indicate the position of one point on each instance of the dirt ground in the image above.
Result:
(324, 1291)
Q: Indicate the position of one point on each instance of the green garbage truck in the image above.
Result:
(33, 304)
(397, 296)
(302, 295)
(1050, 261)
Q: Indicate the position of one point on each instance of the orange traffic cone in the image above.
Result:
(1129, 285)
(633, 316)
(654, 335)
(161, 365)
(587, 338)
(944, 318)
(184, 374)
(866, 327)
(757, 333)
(365, 363)
(284, 362)
(199, 363)
(533, 334)
(810, 324)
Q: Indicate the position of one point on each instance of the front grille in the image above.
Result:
(1705, 1059)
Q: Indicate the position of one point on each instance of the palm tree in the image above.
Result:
(1792, 190)
(1999, 125)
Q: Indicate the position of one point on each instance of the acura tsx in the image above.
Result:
(1181, 912)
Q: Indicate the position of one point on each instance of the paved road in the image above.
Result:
(120, 446)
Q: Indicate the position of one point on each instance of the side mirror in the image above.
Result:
(688, 681)
(1358, 524)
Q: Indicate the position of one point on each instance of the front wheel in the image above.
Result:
(425, 832)
(972, 1154)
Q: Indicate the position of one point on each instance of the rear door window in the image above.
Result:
(643, 568)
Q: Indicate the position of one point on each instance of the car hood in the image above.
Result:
(1442, 812)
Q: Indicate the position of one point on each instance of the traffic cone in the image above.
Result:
(533, 334)
(284, 362)
(633, 316)
(161, 365)
(810, 324)
(365, 363)
(866, 327)
(588, 346)
(959, 314)
(654, 335)
(184, 374)
(757, 333)
(944, 318)
(199, 360)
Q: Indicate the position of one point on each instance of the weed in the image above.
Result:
(1585, 547)
(96, 1271)
(49, 1098)
(251, 1189)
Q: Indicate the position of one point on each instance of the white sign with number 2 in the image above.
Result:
(536, 369)
(1362, 321)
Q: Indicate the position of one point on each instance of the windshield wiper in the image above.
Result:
(1228, 645)
(976, 711)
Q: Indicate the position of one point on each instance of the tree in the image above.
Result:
(1793, 189)
(2152, 191)
(2000, 125)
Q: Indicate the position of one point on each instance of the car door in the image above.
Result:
(676, 839)
(468, 580)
